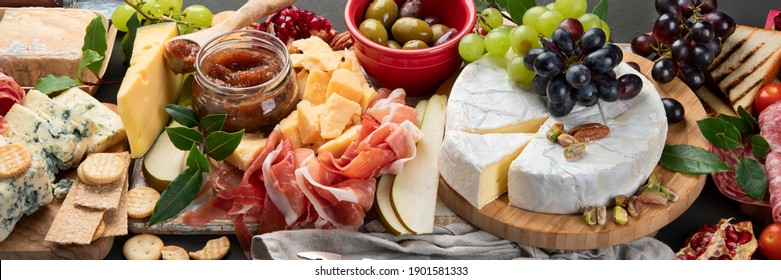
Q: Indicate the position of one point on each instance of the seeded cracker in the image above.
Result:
(14, 160)
(215, 249)
(141, 202)
(103, 168)
(116, 220)
(174, 253)
(74, 224)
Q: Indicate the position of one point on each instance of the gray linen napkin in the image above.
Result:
(454, 241)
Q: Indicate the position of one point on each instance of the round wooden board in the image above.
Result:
(569, 232)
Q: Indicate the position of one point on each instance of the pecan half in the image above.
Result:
(341, 41)
(590, 132)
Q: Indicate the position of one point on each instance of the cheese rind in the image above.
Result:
(476, 165)
(542, 180)
(147, 88)
(481, 103)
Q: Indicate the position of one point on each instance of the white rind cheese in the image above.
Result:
(483, 100)
(542, 180)
(475, 165)
(24, 194)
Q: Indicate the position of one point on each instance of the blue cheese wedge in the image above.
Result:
(110, 130)
(75, 124)
(24, 194)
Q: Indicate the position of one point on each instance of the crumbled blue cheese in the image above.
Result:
(61, 189)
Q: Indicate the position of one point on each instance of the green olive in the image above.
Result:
(414, 45)
(438, 30)
(374, 30)
(386, 11)
(393, 44)
(407, 28)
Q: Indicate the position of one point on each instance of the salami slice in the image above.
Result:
(770, 128)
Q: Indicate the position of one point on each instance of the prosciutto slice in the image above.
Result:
(339, 202)
(10, 93)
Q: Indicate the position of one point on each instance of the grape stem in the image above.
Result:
(135, 5)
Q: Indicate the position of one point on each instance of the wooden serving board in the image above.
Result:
(570, 232)
(26, 241)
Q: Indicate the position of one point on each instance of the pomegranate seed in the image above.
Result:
(713, 258)
(732, 252)
(744, 238)
(705, 241)
(731, 245)
(690, 256)
(699, 250)
(725, 257)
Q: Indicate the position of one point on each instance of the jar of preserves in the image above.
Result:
(247, 75)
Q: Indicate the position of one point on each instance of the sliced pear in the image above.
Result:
(421, 108)
(163, 162)
(414, 192)
(385, 209)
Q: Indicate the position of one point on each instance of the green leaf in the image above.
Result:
(127, 42)
(741, 125)
(759, 146)
(751, 178)
(92, 60)
(51, 83)
(196, 160)
(213, 123)
(179, 193)
(184, 138)
(720, 132)
(95, 39)
(185, 116)
(220, 145)
(748, 118)
(600, 9)
(516, 9)
(480, 5)
(691, 160)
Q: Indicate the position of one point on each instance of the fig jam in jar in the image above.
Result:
(247, 75)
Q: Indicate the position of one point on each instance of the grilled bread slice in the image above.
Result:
(750, 59)
(715, 104)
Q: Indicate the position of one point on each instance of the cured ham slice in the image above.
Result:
(340, 203)
(10, 93)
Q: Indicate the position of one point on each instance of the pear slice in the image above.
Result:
(385, 208)
(163, 162)
(414, 192)
(421, 108)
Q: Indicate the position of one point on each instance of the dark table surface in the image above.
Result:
(626, 18)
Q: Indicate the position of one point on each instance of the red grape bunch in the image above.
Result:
(577, 67)
(686, 39)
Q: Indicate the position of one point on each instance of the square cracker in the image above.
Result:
(116, 220)
(74, 224)
(105, 196)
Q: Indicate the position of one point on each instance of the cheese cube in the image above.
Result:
(289, 128)
(347, 84)
(369, 95)
(337, 146)
(301, 80)
(316, 86)
(317, 54)
(309, 122)
(147, 88)
(337, 114)
(250, 147)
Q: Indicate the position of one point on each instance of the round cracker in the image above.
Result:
(174, 253)
(14, 160)
(215, 249)
(141, 202)
(99, 231)
(143, 247)
(100, 169)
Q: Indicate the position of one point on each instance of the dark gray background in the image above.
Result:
(626, 18)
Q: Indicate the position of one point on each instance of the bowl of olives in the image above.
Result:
(409, 44)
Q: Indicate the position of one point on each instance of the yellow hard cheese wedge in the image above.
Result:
(337, 114)
(369, 95)
(339, 145)
(309, 122)
(317, 54)
(250, 147)
(316, 85)
(289, 128)
(147, 88)
(347, 84)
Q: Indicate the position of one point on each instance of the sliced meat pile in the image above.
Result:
(288, 188)
(770, 128)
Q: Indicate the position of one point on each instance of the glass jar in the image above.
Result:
(247, 75)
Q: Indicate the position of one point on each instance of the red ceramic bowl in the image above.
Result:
(419, 72)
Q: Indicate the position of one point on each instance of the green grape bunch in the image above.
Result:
(191, 19)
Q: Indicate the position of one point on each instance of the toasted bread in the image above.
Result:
(750, 59)
(714, 104)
